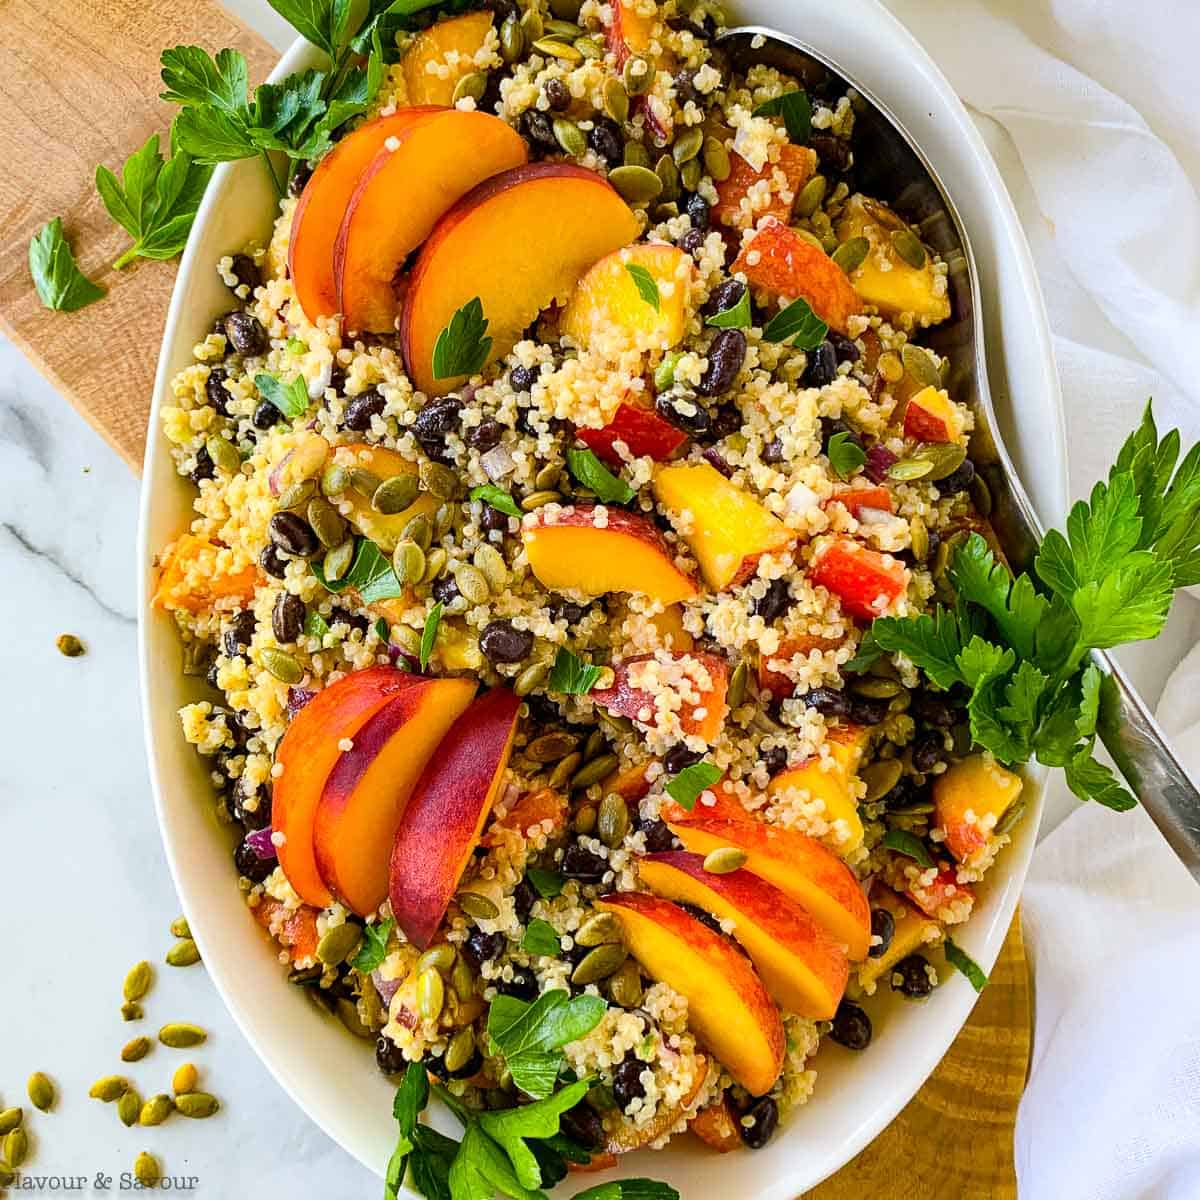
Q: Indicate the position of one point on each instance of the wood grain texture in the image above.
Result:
(79, 86)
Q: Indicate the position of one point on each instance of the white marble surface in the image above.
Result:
(86, 889)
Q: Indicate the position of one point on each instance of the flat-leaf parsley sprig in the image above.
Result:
(1020, 646)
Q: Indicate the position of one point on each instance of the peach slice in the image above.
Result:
(627, 1136)
(197, 573)
(384, 530)
(323, 204)
(803, 968)
(799, 866)
(412, 180)
(307, 753)
(788, 267)
(519, 241)
(608, 312)
(642, 430)
(969, 798)
(730, 529)
(446, 813)
(867, 582)
(365, 794)
(913, 930)
(717, 1126)
(931, 416)
(728, 1007)
(797, 163)
(669, 624)
(631, 30)
(776, 682)
(631, 697)
(438, 57)
(571, 552)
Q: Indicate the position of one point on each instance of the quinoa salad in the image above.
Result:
(551, 463)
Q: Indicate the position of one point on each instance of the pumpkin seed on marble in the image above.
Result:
(551, 747)
(364, 482)
(460, 1049)
(180, 928)
(637, 75)
(570, 137)
(687, 145)
(109, 1088)
(811, 196)
(612, 820)
(716, 159)
(10, 1119)
(184, 1079)
(420, 530)
(16, 1147)
(438, 480)
(408, 561)
(396, 494)
(738, 683)
(981, 495)
(135, 1050)
(625, 985)
(616, 100)
(539, 499)
(470, 86)
(908, 246)
(180, 1035)
(295, 495)
(224, 454)
(431, 994)
(339, 943)
(337, 561)
(918, 362)
(472, 583)
(512, 40)
(138, 981)
(562, 773)
(146, 1169)
(724, 860)
(599, 963)
(908, 469)
(945, 457)
(197, 1105)
(918, 533)
(690, 173)
(598, 769)
(637, 184)
(589, 48)
(477, 905)
(128, 1108)
(880, 777)
(131, 1010)
(599, 928)
(531, 678)
(435, 564)
(553, 47)
(852, 254)
(183, 954)
(490, 562)
(284, 666)
(875, 687)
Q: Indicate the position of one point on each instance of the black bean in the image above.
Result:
(685, 88)
(535, 128)
(492, 520)
(362, 408)
(830, 426)
(502, 643)
(250, 865)
(928, 751)
(245, 271)
(389, 1058)
(775, 759)
(726, 353)
(245, 333)
(471, 1067)
(883, 926)
(502, 8)
(605, 139)
(485, 435)
(696, 422)
(851, 1027)
(353, 620)
(775, 603)
(724, 296)
(287, 617)
(444, 589)
(904, 794)
(845, 348)
(238, 632)
(914, 977)
(301, 174)
(933, 710)
(867, 712)
(958, 480)
(627, 1083)
(829, 701)
(580, 863)
(273, 562)
(822, 365)
(582, 1124)
(522, 985)
(566, 610)
(833, 151)
(266, 415)
(697, 210)
(215, 392)
(764, 1117)
(558, 95)
(772, 452)
(524, 896)
(437, 418)
(659, 837)
(480, 947)
(542, 709)
(204, 468)
(680, 756)
(293, 534)
(211, 676)
(522, 378)
(703, 916)
(691, 242)
(726, 421)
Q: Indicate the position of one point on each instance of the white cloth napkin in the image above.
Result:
(1090, 107)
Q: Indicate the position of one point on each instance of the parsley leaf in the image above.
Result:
(796, 110)
(736, 316)
(1092, 780)
(530, 1034)
(629, 1189)
(325, 23)
(592, 473)
(429, 633)
(845, 455)
(382, 630)
(497, 497)
(907, 843)
(799, 321)
(370, 575)
(570, 675)
(462, 347)
(315, 625)
(432, 1156)
(686, 786)
(411, 1097)
(547, 884)
(60, 284)
(290, 398)
(193, 78)
(647, 285)
(480, 1169)
(510, 1128)
(932, 643)
(540, 938)
(1014, 605)
(962, 961)
(374, 945)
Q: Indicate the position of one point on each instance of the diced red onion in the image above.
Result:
(497, 462)
(259, 840)
(715, 460)
(879, 458)
(297, 699)
(386, 988)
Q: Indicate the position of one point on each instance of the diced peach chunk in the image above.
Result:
(931, 416)
(669, 624)
(438, 57)
(796, 163)
(642, 430)
(867, 582)
(384, 530)
(196, 573)
(854, 500)
(630, 783)
(702, 717)
(532, 810)
(717, 1126)
(297, 931)
(912, 931)
(944, 897)
(969, 798)
(631, 29)
(776, 682)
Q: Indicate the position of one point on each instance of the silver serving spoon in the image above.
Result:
(889, 165)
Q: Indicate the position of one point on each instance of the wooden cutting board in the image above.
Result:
(79, 82)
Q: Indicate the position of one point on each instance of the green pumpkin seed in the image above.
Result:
(876, 688)
(716, 159)
(431, 995)
(945, 457)
(339, 943)
(16, 1147)
(470, 86)
(490, 562)
(364, 482)
(462, 979)
(531, 678)
(852, 254)
(635, 155)
(135, 1050)
(281, 664)
(738, 684)
(880, 777)
(131, 1010)
(296, 495)
(472, 583)
(900, 703)
(668, 174)
(981, 495)
(179, 1035)
(438, 480)
(435, 564)
(638, 185)
(821, 224)
(539, 499)
(224, 454)
(557, 48)
(589, 48)
(437, 958)
(612, 820)
(183, 954)
(599, 928)
(637, 75)
(568, 31)
(335, 479)
(197, 1105)
(570, 137)
(156, 1110)
(598, 769)
(918, 533)
(616, 100)
(918, 362)
(327, 523)
(908, 469)
(128, 1108)
(724, 860)
(146, 1169)
(10, 1119)
(811, 238)
(396, 494)
(180, 928)
(566, 10)
(1011, 816)
(687, 145)
(420, 530)
(594, 745)
(460, 1050)
(548, 476)
(408, 561)
(561, 774)
(584, 820)
(908, 246)
(138, 981)
(351, 1018)
(599, 963)
(184, 1079)
(512, 40)
(407, 638)
(531, 23)
(689, 174)
(337, 561)
(625, 985)
(109, 1088)
(477, 905)
(811, 196)
(551, 747)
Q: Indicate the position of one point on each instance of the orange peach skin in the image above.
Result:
(790, 268)
(630, 32)
(642, 430)
(979, 787)
(298, 931)
(803, 968)
(463, 36)
(370, 784)
(931, 416)
(307, 753)
(729, 1009)
(630, 701)
(867, 583)
(400, 196)
(717, 1126)
(446, 813)
(519, 241)
(796, 162)
(532, 809)
(323, 204)
(725, 805)
(799, 866)
(190, 555)
(776, 682)
(628, 554)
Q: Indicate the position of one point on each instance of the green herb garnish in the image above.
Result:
(571, 675)
(291, 398)
(592, 473)
(373, 950)
(736, 316)
(647, 285)
(383, 631)
(60, 284)
(497, 497)
(370, 575)
(904, 842)
(796, 110)
(547, 884)
(962, 961)
(799, 321)
(463, 346)
(429, 633)
(629, 1189)
(685, 788)
(315, 625)
(845, 455)
(540, 938)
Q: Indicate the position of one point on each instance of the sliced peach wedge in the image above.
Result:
(804, 969)
(405, 188)
(969, 799)
(438, 57)
(728, 1007)
(931, 416)
(307, 753)
(518, 242)
(576, 550)
(365, 794)
(446, 812)
(799, 866)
